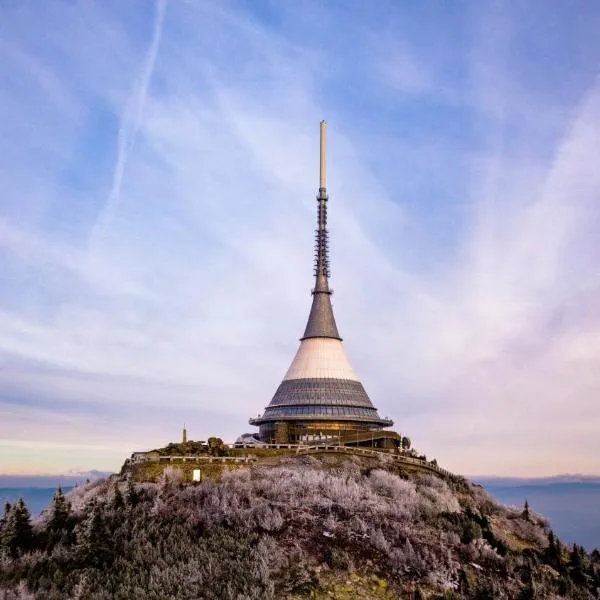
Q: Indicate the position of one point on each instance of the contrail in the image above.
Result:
(130, 124)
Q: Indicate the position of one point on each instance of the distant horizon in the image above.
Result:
(497, 479)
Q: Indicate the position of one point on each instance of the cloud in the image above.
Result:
(160, 270)
(131, 121)
(402, 71)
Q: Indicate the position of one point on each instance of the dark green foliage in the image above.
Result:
(118, 501)
(16, 533)
(214, 446)
(450, 595)
(471, 531)
(552, 553)
(132, 496)
(526, 514)
(470, 526)
(60, 512)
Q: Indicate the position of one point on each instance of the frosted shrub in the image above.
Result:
(444, 577)
(268, 519)
(171, 476)
(330, 523)
(480, 551)
(436, 496)
(390, 485)
(345, 492)
(358, 526)
(19, 593)
(406, 560)
(378, 541)
(81, 496)
(237, 476)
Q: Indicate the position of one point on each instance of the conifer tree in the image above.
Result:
(133, 497)
(92, 537)
(551, 553)
(577, 563)
(117, 503)
(7, 507)
(60, 512)
(17, 533)
(526, 515)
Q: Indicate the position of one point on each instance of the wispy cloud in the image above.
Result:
(130, 122)
(463, 215)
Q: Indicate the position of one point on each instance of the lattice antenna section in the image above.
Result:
(322, 243)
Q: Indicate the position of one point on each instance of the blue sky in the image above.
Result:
(158, 167)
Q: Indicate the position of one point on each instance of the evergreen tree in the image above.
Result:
(551, 553)
(93, 539)
(60, 512)
(3, 519)
(528, 591)
(560, 562)
(132, 497)
(17, 533)
(117, 503)
(526, 515)
(577, 564)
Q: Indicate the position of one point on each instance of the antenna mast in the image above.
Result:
(322, 173)
(321, 233)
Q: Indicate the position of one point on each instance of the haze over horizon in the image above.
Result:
(159, 171)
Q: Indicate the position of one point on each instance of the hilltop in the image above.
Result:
(333, 527)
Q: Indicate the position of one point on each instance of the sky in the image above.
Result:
(159, 167)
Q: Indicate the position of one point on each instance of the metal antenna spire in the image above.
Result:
(323, 141)
(321, 322)
(322, 235)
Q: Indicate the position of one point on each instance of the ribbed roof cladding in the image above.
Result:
(334, 392)
(321, 322)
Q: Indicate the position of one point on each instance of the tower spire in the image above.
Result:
(323, 141)
(321, 322)
(322, 235)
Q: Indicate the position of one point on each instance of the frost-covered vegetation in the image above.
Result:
(300, 529)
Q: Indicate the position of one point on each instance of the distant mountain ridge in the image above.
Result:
(520, 481)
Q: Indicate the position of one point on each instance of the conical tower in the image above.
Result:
(320, 397)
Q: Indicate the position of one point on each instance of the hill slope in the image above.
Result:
(303, 528)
